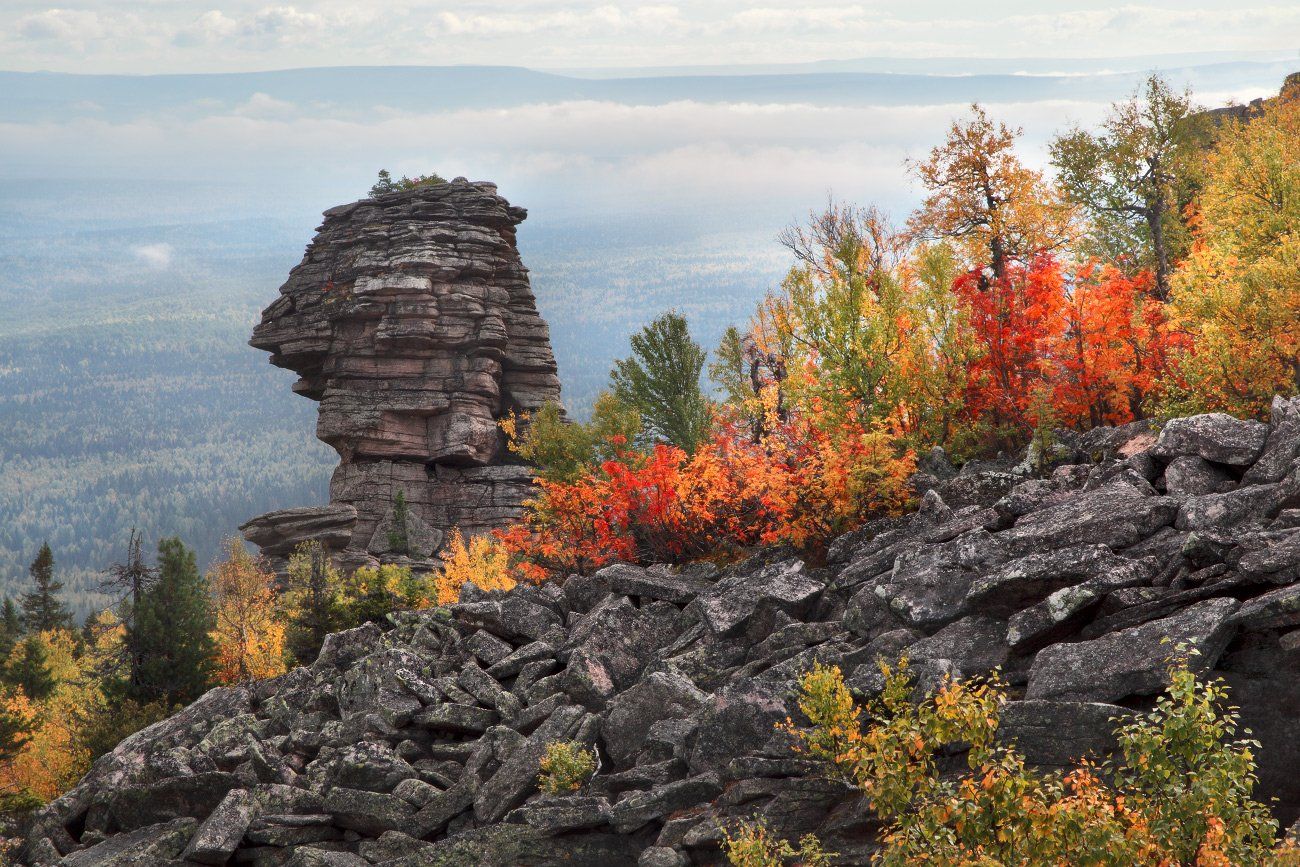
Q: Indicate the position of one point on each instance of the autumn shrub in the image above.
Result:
(754, 845)
(801, 484)
(1179, 792)
(565, 767)
(482, 561)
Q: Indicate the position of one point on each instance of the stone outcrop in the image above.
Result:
(411, 320)
(418, 744)
(1245, 112)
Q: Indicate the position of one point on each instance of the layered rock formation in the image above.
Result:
(419, 745)
(411, 320)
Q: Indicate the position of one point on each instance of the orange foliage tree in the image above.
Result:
(1113, 345)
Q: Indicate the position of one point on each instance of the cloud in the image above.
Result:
(607, 19)
(156, 256)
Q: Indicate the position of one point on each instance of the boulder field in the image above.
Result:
(418, 744)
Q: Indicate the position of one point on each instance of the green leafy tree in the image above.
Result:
(661, 380)
(312, 602)
(1132, 176)
(29, 669)
(170, 630)
(562, 449)
(42, 607)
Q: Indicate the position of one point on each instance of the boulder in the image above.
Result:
(1216, 437)
(221, 832)
(152, 844)
(1132, 661)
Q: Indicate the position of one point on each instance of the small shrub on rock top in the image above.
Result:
(1179, 793)
(754, 845)
(565, 767)
(386, 184)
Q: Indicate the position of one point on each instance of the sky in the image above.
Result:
(157, 36)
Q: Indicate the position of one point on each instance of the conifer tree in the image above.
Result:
(132, 579)
(312, 600)
(42, 607)
(661, 380)
(29, 669)
(11, 627)
(170, 631)
(399, 536)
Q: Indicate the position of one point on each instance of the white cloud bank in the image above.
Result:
(188, 35)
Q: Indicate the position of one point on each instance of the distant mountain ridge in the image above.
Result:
(366, 91)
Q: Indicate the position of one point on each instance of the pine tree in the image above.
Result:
(661, 380)
(399, 536)
(383, 185)
(29, 670)
(11, 627)
(170, 631)
(312, 600)
(42, 608)
(13, 734)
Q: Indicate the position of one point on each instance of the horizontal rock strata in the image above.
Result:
(419, 744)
(410, 319)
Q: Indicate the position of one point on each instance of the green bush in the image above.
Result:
(566, 767)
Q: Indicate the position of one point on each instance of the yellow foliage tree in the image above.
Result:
(985, 200)
(482, 561)
(1237, 296)
(248, 633)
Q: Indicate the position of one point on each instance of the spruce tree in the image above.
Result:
(399, 538)
(662, 381)
(42, 608)
(313, 602)
(169, 632)
(13, 734)
(11, 627)
(30, 670)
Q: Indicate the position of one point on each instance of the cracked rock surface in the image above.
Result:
(418, 744)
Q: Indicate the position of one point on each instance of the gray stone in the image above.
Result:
(640, 808)
(1133, 661)
(151, 844)
(216, 839)
(1191, 474)
(658, 696)
(1027, 580)
(1254, 504)
(1215, 437)
(1277, 609)
(729, 606)
(634, 581)
(1057, 734)
(370, 813)
(517, 776)
(1282, 446)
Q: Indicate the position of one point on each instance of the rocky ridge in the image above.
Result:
(411, 320)
(419, 745)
